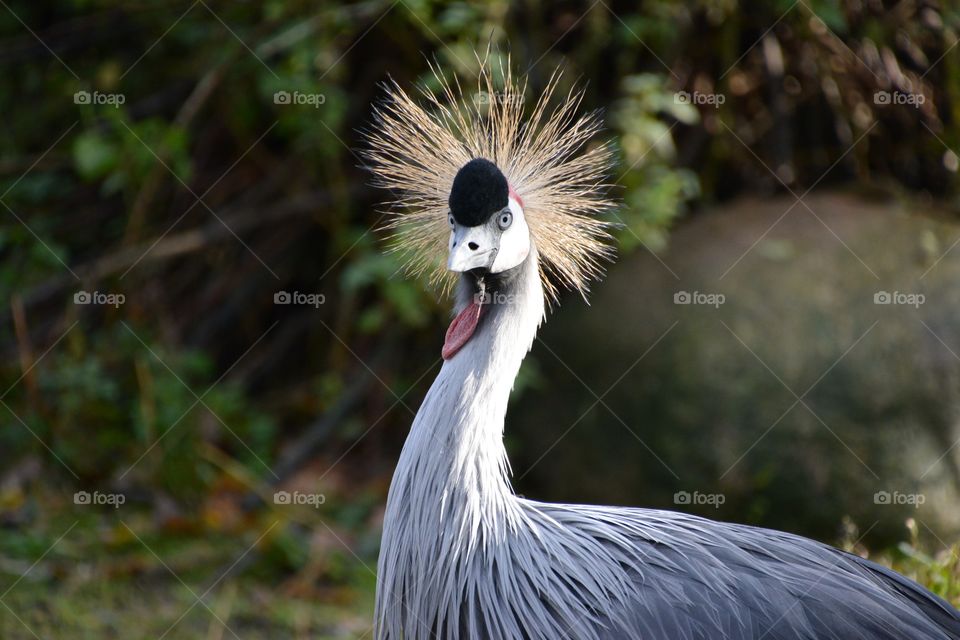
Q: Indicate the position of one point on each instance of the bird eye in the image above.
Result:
(450, 220)
(504, 220)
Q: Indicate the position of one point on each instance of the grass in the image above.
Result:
(110, 576)
(938, 571)
(159, 607)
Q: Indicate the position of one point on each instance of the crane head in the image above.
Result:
(456, 165)
(487, 226)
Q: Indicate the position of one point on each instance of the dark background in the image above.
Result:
(797, 158)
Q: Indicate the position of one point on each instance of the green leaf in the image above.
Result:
(93, 156)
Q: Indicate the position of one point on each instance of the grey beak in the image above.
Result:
(473, 247)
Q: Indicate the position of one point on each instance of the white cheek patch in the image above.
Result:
(514, 242)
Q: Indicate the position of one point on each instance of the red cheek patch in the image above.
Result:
(513, 194)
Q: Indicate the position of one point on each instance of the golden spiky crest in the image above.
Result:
(415, 152)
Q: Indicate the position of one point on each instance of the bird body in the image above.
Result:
(462, 556)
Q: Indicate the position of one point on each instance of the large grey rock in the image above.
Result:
(713, 407)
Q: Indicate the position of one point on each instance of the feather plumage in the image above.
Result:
(416, 150)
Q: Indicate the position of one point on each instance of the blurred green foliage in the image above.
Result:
(185, 129)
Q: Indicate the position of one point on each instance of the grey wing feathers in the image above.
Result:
(698, 579)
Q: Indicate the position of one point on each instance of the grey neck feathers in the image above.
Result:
(450, 497)
(455, 447)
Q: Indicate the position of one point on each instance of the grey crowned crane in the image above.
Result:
(510, 204)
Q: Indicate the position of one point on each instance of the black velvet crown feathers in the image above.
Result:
(479, 190)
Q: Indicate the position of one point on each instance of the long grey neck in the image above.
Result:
(454, 457)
